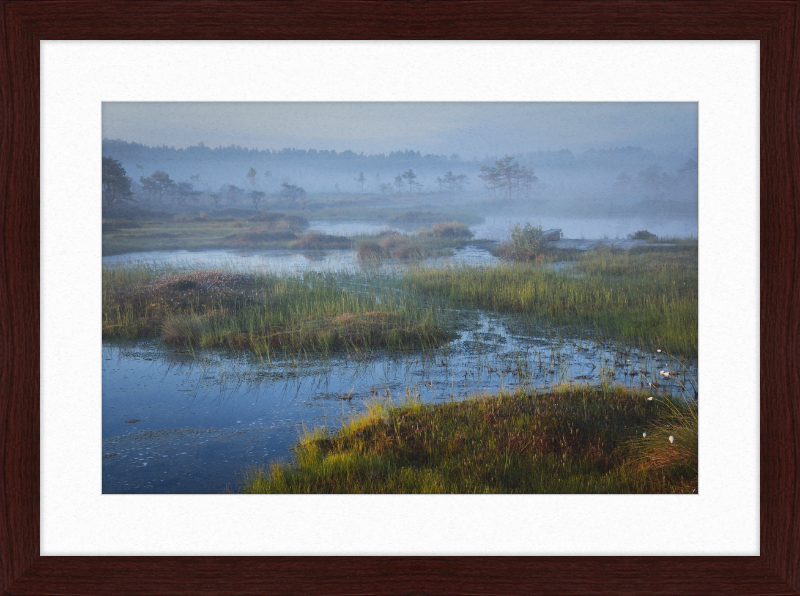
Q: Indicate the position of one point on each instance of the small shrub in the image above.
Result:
(643, 235)
(527, 243)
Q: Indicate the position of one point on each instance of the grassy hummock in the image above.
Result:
(565, 440)
(260, 312)
(435, 241)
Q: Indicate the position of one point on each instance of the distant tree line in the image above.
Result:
(137, 152)
(620, 158)
(159, 188)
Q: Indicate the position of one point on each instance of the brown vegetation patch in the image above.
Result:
(198, 291)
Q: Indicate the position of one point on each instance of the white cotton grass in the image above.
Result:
(650, 398)
(658, 350)
(644, 434)
(671, 439)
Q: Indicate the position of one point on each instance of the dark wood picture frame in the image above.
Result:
(776, 23)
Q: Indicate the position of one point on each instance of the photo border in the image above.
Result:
(25, 24)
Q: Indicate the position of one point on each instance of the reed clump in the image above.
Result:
(563, 440)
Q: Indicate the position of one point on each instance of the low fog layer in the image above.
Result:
(545, 186)
(633, 163)
(624, 173)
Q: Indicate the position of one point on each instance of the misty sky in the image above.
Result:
(469, 129)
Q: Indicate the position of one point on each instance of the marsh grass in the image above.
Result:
(564, 440)
(261, 312)
(646, 298)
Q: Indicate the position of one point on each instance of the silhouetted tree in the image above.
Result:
(411, 177)
(257, 196)
(232, 193)
(297, 193)
(455, 183)
(527, 178)
(361, 179)
(251, 176)
(504, 174)
(116, 182)
(157, 185)
(492, 178)
(184, 191)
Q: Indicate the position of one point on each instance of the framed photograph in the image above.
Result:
(68, 536)
(394, 277)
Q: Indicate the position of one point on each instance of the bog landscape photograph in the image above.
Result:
(400, 298)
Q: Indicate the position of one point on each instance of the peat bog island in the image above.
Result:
(428, 298)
